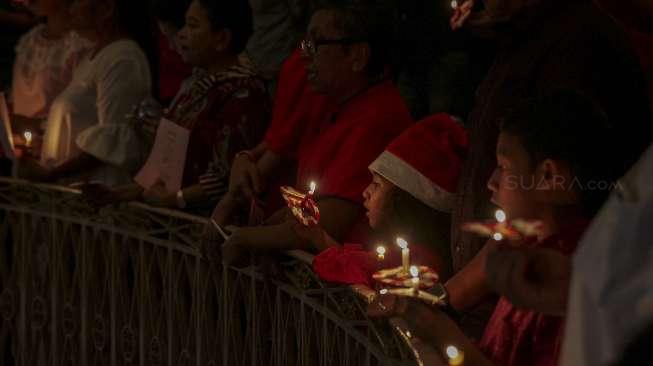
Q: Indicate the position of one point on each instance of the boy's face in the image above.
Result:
(377, 196)
(514, 182)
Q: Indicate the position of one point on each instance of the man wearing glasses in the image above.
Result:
(345, 58)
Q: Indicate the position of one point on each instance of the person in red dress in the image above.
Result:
(550, 170)
(366, 112)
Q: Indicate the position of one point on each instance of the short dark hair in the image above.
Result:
(171, 11)
(234, 15)
(368, 22)
(565, 125)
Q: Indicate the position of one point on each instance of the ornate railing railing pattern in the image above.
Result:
(128, 285)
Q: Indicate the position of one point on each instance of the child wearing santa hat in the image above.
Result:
(411, 196)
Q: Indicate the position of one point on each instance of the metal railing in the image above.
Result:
(128, 285)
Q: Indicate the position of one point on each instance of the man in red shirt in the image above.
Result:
(344, 60)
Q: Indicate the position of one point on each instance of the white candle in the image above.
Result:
(500, 215)
(312, 188)
(405, 253)
(380, 252)
(454, 356)
(414, 271)
(28, 138)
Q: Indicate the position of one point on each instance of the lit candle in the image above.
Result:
(500, 215)
(28, 138)
(454, 356)
(383, 291)
(414, 271)
(454, 4)
(312, 188)
(380, 252)
(405, 254)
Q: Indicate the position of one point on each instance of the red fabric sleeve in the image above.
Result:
(349, 265)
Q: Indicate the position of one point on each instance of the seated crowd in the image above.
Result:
(257, 96)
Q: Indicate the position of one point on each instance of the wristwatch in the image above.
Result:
(181, 202)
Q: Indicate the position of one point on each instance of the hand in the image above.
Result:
(536, 279)
(245, 180)
(387, 306)
(211, 243)
(461, 14)
(158, 195)
(313, 234)
(30, 169)
(235, 248)
(149, 112)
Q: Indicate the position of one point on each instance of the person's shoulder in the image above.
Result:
(30, 38)
(121, 50)
(385, 106)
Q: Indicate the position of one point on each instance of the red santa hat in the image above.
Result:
(426, 160)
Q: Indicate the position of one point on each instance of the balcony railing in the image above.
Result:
(127, 285)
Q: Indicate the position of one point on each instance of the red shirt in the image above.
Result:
(337, 156)
(517, 337)
(349, 139)
(297, 108)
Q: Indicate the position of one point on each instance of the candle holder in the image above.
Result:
(302, 206)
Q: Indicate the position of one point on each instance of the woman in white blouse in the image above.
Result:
(88, 136)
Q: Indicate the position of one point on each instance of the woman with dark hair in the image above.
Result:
(224, 105)
(87, 134)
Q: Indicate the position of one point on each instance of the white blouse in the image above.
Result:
(43, 68)
(90, 115)
(611, 291)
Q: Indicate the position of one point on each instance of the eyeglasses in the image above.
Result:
(310, 46)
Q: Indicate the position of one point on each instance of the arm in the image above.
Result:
(531, 278)
(246, 180)
(469, 287)
(430, 324)
(337, 216)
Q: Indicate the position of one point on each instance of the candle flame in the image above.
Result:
(383, 291)
(414, 271)
(497, 236)
(312, 187)
(500, 215)
(454, 4)
(452, 352)
(28, 136)
(402, 243)
(380, 250)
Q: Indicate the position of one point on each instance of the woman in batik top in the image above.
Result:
(223, 104)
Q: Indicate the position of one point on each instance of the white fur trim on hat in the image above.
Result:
(404, 176)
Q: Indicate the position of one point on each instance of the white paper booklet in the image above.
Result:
(167, 159)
